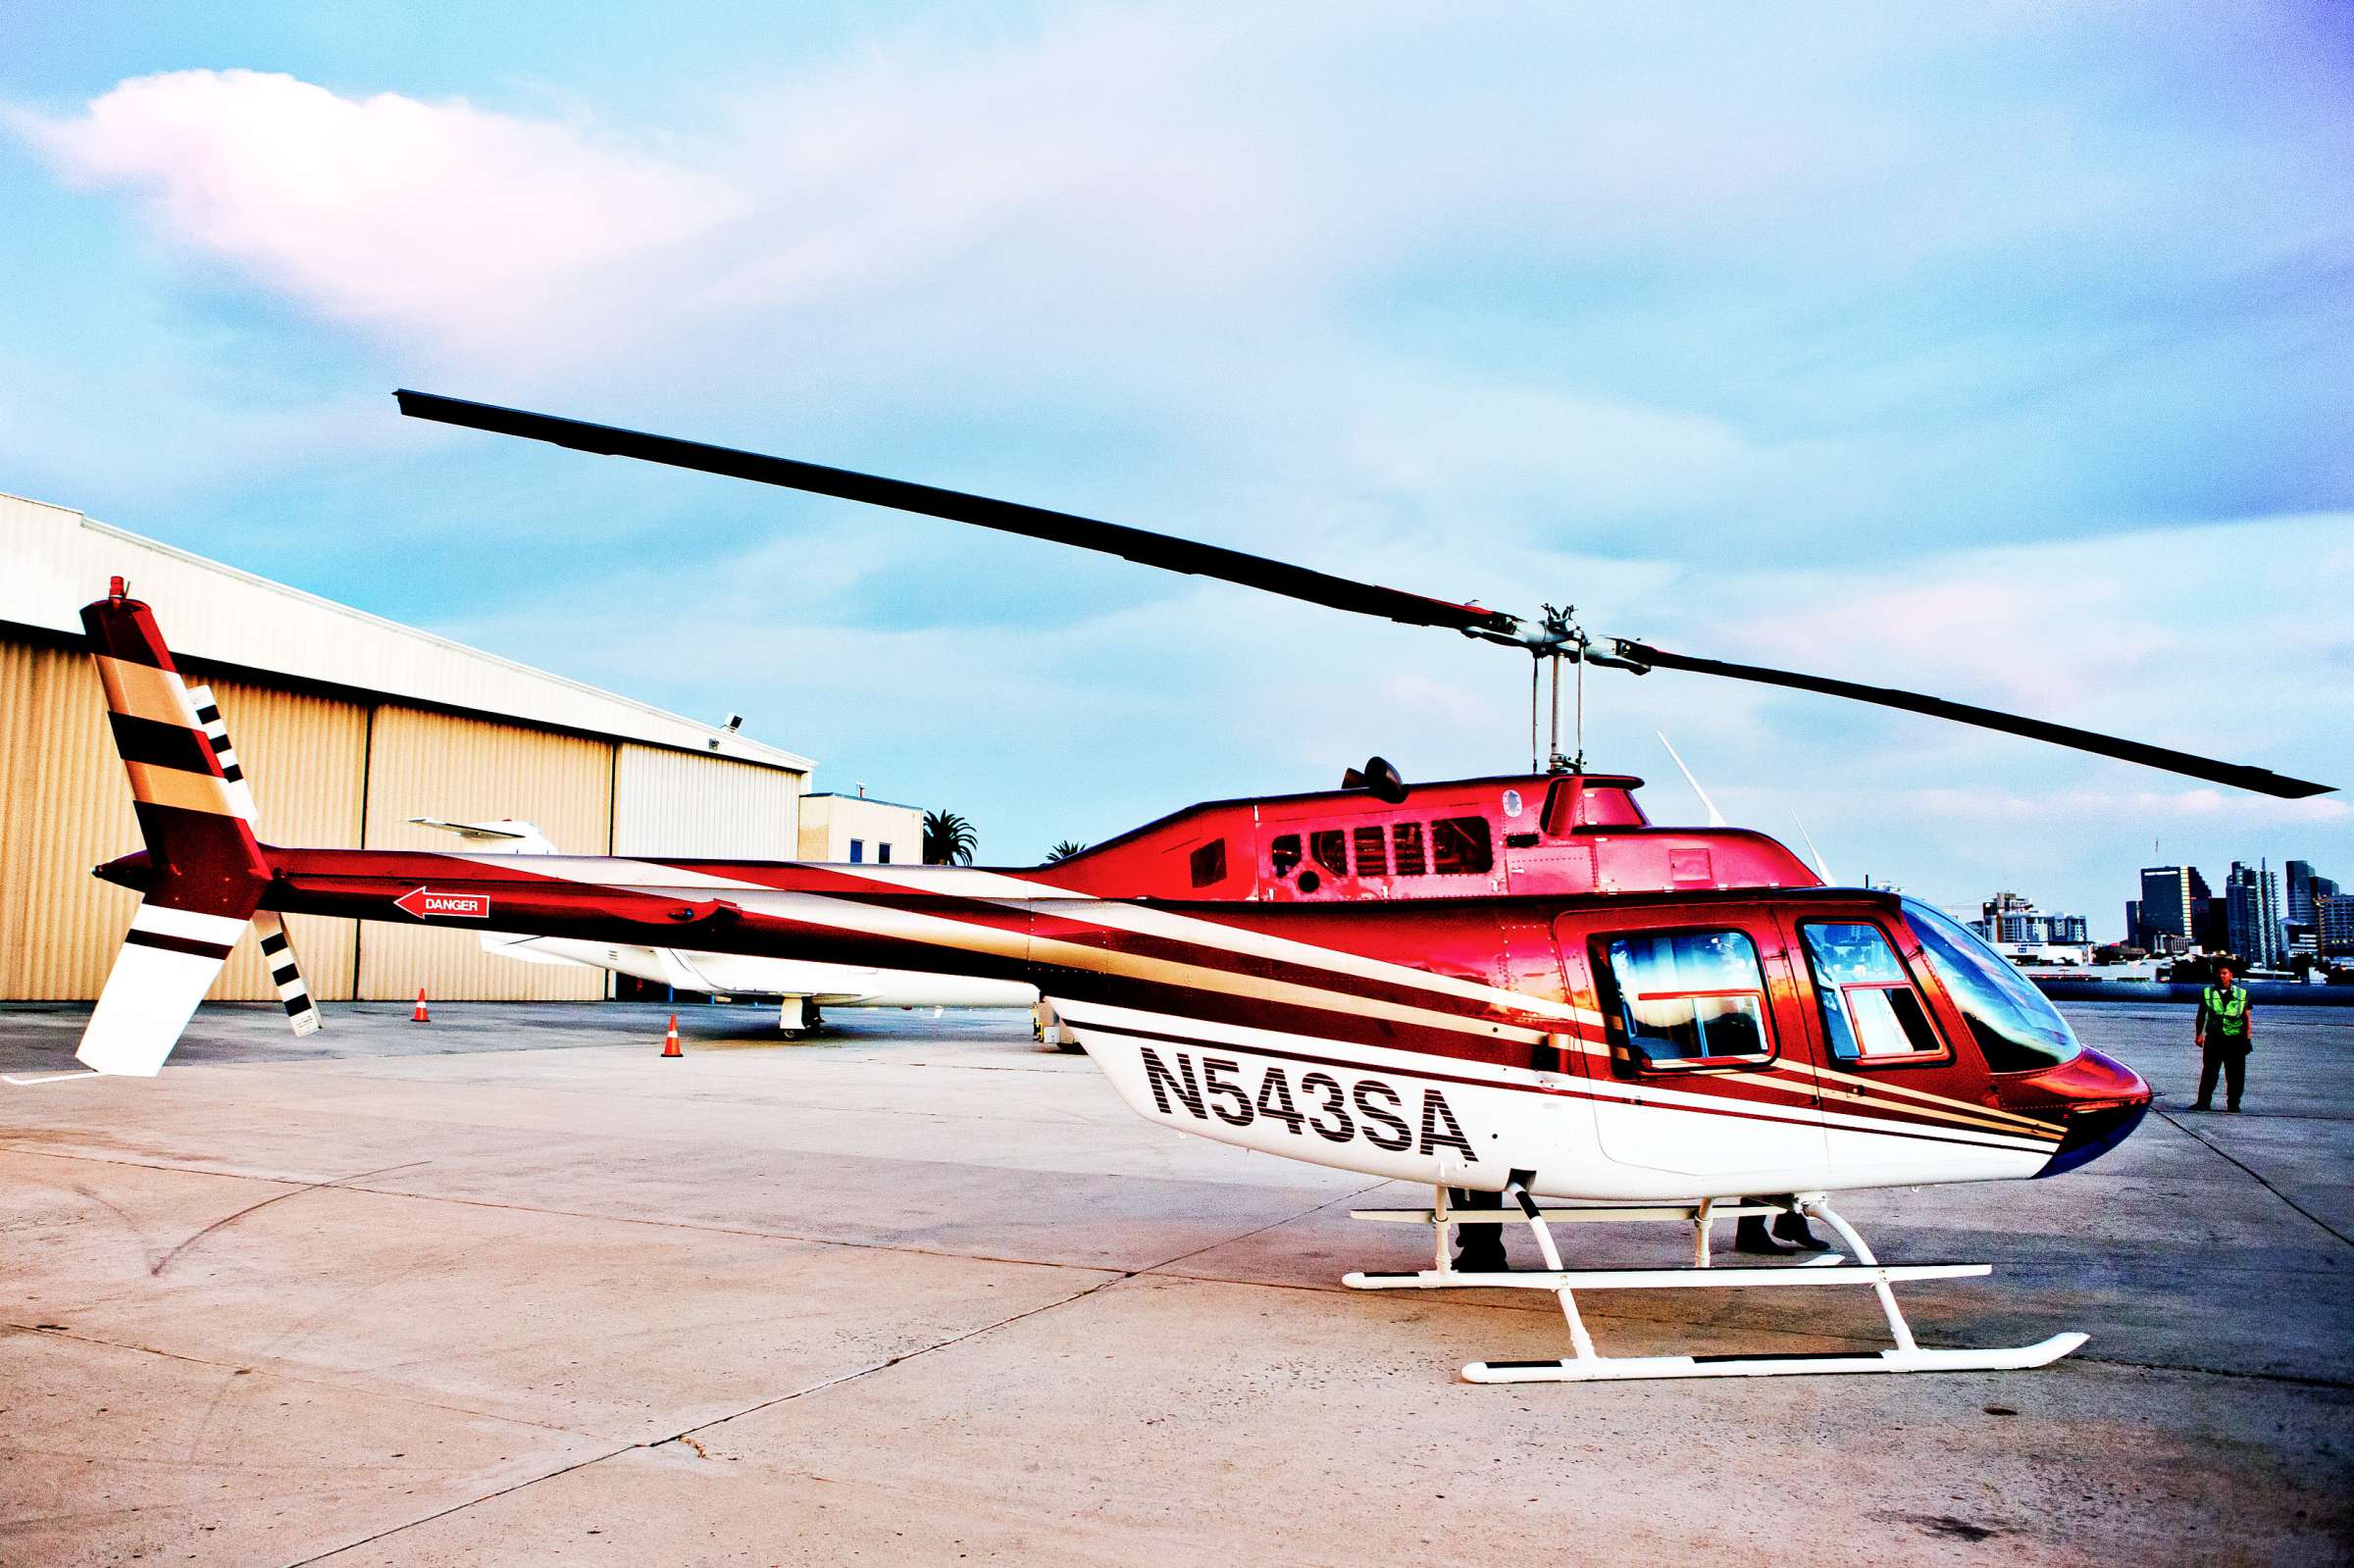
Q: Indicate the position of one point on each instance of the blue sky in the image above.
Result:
(1987, 351)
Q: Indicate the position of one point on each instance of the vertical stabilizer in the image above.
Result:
(206, 872)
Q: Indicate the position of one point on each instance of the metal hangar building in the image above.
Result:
(346, 725)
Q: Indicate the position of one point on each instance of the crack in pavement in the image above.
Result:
(283, 1375)
(687, 1435)
(2253, 1173)
(702, 1226)
(165, 1262)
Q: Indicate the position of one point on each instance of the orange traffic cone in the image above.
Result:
(421, 1016)
(670, 1041)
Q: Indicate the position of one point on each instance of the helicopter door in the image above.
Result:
(1881, 1062)
(1697, 1017)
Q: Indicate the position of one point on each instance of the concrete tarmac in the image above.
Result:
(509, 1287)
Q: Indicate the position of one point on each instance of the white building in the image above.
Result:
(860, 831)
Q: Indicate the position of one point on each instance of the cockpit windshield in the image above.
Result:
(2017, 1028)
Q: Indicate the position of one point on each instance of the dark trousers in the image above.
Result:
(2232, 1060)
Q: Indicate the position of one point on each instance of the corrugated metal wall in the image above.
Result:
(63, 807)
(334, 773)
(675, 803)
(305, 757)
(466, 770)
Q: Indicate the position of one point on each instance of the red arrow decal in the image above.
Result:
(424, 902)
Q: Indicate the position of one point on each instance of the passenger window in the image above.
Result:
(882, 855)
(857, 851)
(1330, 849)
(1210, 863)
(1869, 1008)
(1405, 841)
(1690, 998)
(1461, 844)
(1373, 852)
(1283, 854)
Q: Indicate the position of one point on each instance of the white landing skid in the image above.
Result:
(1586, 1365)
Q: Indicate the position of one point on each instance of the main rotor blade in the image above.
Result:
(1147, 548)
(2261, 779)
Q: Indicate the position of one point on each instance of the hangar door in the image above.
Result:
(305, 757)
(683, 804)
(464, 770)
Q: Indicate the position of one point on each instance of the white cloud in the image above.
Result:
(382, 210)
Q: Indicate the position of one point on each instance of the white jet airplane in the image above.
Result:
(800, 986)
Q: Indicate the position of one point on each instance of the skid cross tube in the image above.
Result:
(1587, 1365)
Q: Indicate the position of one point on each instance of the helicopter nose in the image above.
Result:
(2098, 1100)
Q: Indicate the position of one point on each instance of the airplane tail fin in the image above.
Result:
(205, 872)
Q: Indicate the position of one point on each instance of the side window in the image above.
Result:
(882, 855)
(1210, 863)
(1329, 848)
(1461, 844)
(1690, 998)
(1406, 842)
(1283, 855)
(1870, 1011)
(857, 850)
(1373, 852)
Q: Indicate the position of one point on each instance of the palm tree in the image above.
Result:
(948, 839)
(1064, 850)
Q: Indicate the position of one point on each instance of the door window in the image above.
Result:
(1870, 1011)
(1690, 998)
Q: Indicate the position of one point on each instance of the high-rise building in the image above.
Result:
(2133, 935)
(2299, 876)
(2210, 924)
(2070, 929)
(2167, 894)
(2333, 924)
(2252, 905)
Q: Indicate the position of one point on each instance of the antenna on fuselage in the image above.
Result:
(1820, 869)
(1715, 816)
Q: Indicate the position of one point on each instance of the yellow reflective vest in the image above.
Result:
(2229, 1011)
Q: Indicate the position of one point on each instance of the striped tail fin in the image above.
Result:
(278, 946)
(206, 872)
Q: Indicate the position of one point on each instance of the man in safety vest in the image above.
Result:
(2223, 1035)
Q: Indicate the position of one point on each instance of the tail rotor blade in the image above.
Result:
(278, 947)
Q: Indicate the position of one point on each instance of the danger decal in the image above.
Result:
(427, 904)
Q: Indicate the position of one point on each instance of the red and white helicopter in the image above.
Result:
(1512, 984)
